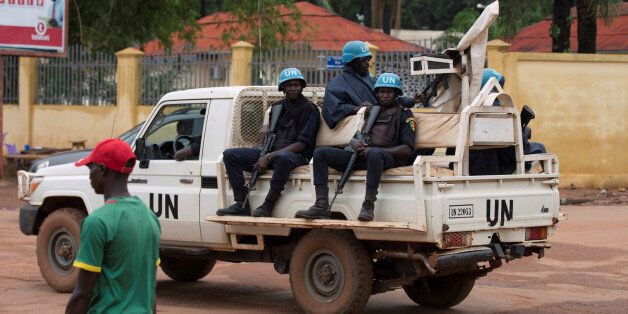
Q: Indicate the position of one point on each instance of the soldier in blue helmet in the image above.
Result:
(392, 141)
(489, 73)
(295, 141)
(353, 88)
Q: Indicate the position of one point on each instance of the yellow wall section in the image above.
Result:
(581, 106)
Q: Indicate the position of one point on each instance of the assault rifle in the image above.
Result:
(266, 148)
(361, 136)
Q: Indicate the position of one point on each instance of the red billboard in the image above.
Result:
(33, 27)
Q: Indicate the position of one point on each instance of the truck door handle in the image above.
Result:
(186, 181)
(138, 181)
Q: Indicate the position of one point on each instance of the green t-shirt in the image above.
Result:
(121, 242)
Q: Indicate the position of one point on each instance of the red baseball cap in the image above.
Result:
(113, 153)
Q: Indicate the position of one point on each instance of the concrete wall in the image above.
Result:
(581, 106)
(57, 125)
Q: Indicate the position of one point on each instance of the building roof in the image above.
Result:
(323, 30)
(535, 38)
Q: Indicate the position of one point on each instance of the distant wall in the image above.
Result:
(581, 107)
(58, 125)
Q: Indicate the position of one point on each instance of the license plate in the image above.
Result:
(461, 211)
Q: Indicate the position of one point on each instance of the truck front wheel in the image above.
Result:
(57, 245)
(188, 269)
(439, 293)
(331, 272)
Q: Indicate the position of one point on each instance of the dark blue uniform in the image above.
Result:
(348, 90)
(297, 123)
(399, 129)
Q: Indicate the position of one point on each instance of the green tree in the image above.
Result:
(109, 25)
(263, 22)
(433, 14)
(561, 25)
(588, 11)
(514, 15)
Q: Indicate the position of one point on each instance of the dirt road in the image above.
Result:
(585, 271)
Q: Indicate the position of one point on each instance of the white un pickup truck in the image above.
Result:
(436, 228)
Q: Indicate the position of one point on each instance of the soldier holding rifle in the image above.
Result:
(389, 140)
(290, 144)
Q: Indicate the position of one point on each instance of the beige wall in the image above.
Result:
(581, 106)
(57, 125)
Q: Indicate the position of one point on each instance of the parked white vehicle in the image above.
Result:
(435, 230)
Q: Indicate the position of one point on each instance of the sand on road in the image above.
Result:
(586, 270)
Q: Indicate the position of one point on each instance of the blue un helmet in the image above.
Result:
(388, 80)
(290, 74)
(488, 73)
(353, 50)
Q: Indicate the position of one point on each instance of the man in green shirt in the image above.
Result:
(119, 251)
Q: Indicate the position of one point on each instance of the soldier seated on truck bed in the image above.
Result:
(295, 141)
(392, 141)
(347, 92)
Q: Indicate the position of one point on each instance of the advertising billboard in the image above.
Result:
(33, 27)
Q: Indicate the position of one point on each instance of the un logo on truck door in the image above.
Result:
(504, 211)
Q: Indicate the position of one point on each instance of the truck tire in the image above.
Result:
(331, 272)
(441, 293)
(57, 245)
(186, 269)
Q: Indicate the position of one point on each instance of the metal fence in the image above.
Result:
(11, 78)
(312, 63)
(85, 77)
(398, 62)
(186, 69)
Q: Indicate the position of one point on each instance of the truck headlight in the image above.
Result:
(23, 184)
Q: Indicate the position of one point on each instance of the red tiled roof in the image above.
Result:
(535, 38)
(323, 30)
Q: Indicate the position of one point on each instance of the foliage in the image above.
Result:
(433, 14)
(514, 15)
(349, 9)
(605, 9)
(262, 21)
(110, 25)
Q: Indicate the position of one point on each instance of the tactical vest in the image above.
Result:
(386, 128)
(290, 123)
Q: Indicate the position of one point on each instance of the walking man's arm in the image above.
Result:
(82, 295)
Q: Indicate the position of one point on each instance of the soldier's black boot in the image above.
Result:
(320, 209)
(266, 210)
(368, 206)
(237, 209)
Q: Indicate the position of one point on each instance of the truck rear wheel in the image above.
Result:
(186, 269)
(331, 272)
(57, 245)
(439, 293)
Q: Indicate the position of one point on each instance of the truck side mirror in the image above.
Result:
(140, 148)
(140, 152)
